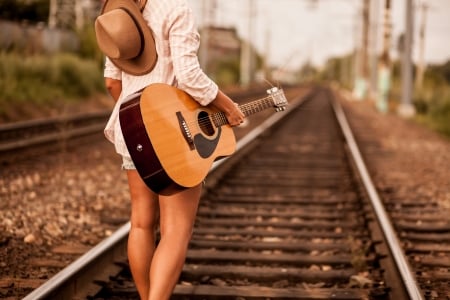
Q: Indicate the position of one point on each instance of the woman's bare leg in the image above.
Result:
(177, 217)
(141, 240)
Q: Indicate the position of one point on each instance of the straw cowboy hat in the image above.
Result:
(125, 37)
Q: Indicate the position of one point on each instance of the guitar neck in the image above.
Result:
(247, 109)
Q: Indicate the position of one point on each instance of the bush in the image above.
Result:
(47, 79)
(88, 45)
(432, 102)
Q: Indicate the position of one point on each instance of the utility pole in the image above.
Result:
(365, 40)
(246, 51)
(266, 67)
(69, 14)
(53, 11)
(384, 67)
(374, 11)
(362, 75)
(421, 63)
(79, 14)
(208, 17)
(204, 44)
(406, 109)
(387, 32)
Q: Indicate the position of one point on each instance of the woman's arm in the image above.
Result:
(231, 110)
(114, 87)
(184, 44)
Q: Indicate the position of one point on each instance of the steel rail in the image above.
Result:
(51, 137)
(52, 122)
(268, 123)
(71, 271)
(78, 265)
(381, 214)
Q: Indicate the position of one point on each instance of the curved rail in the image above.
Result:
(388, 230)
(59, 280)
(76, 268)
(114, 241)
(20, 135)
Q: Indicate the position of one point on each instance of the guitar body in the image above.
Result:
(171, 137)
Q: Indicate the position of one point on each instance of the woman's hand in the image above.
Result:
(231, 109)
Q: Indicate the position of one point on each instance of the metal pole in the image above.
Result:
(266, 66)
(384, 67)
(246, 52)
(204, 43)
(79, 14)
(406, 109)
(421, 62)
(365, 41)
(387, 29)
(52, 14)
(373, 48)
(361, 84)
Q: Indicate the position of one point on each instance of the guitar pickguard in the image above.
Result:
(206, 147)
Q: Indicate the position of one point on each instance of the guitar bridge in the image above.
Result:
(185, 130)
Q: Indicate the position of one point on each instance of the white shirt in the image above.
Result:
(177, 42)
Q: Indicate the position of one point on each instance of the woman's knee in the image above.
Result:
(144, 203)
(144, 212)
(149, 221)
(178, 223)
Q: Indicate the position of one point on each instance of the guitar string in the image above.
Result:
(247, 107)
(206, 120)
(218, 118)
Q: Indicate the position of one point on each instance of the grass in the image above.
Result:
(46, 80)
(433, 107)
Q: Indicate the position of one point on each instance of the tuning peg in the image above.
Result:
(272, 90)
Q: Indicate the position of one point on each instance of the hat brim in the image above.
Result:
(146, 60)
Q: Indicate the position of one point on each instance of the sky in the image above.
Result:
(292, 32)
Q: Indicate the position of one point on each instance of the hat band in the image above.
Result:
(141, 34)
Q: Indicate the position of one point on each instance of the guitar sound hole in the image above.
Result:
(205, 123)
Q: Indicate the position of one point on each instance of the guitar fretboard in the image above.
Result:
(250, 108)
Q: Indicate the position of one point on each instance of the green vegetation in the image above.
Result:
(431, 101)
(88, 45)
(46, 80)
(227, 73)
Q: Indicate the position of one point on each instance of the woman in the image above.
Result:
(158, 46)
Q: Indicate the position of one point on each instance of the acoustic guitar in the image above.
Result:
(172, 139)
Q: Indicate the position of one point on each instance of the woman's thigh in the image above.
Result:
(178, 211)
(144, 202)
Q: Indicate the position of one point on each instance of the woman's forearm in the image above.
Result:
(114, 87)
(224, 103)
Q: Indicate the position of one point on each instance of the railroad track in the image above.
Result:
(22, 136)
(17, 136)
(44, 136)
(422, 223)
(51, 134)
(293, 215)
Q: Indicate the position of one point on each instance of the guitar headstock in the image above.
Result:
(279, 99)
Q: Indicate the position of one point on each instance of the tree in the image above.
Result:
(33, 11)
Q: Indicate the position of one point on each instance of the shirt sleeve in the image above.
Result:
(184, 42)
(111, 71)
